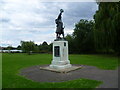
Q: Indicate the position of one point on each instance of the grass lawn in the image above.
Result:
(12, 63)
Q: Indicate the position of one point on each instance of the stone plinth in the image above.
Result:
(60, 55)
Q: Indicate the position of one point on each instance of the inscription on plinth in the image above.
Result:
(57, 51)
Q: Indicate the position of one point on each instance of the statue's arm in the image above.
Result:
(59, 16)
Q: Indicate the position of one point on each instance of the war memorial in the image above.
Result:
(60, 62)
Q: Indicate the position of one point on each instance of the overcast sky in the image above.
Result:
(34, 20)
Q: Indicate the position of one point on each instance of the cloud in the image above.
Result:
(35, 20)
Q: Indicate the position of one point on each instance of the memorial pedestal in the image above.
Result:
(60, 55)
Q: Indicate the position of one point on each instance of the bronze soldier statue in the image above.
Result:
(60, 28)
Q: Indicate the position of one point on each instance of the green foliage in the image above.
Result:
(83, 34)
(71, 44)
(82, 39)
(44, 43)
(9, 48)
(19, 47)
(106, 27)
(45, 48)
(36, 49)
(28, 46)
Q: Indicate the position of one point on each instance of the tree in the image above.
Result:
(28, 46)
(84, 36)
(44, 47)
(107, 29)
(36, 48)
(50, 47)
(44, 43)
(71, 44)
(19, 47)
(9, 48)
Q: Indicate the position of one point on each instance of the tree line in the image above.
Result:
(30, 47)
(100, 35)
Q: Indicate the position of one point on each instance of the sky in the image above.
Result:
(25, 20)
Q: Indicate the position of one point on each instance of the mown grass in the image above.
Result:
(101, 61)
(12, 63)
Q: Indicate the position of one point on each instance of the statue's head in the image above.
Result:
(61, 10)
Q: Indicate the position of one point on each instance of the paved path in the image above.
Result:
(109, 77)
